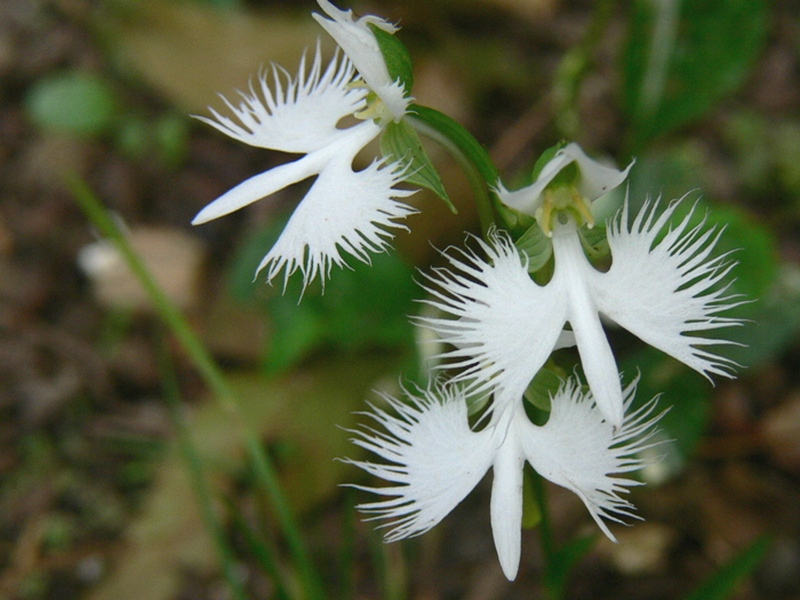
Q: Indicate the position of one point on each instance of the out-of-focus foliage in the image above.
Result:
(684, 56)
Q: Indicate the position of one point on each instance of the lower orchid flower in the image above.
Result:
(435, 459)
(662, 289)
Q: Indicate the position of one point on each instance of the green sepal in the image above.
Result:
(536, 246)
(400, 142)
(531, 511)
(594, 242)
(544, 386)
(396, 57)
(515, 222)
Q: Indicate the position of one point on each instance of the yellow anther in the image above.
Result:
(559, 200)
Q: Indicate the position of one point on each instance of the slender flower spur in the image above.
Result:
(662, 289)
(345, 211)
(435, 459)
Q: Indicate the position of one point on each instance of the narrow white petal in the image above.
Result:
(359, 43)
(506, 503)
(434, 458)
(344, 213)
(663, 291)
(297, 114)
(573, 273)
(504, 326)
(260, 186)
(581, 451)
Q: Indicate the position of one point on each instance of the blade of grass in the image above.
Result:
(722, 583)
(266, 473)
(262, 551)
(196, 471)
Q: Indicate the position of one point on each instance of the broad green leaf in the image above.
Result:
(74, 102)
(396, 56)
(399, 142)
(684, 56)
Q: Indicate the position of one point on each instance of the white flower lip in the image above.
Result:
(358, 41)
(595, 180)
(435, 460)
(345, 212)
(502, 326)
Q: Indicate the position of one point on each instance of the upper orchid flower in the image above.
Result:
(570, 181)
(345, 211)
(437, 459)
(660, 289)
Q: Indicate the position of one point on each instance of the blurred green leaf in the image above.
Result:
(363, 307)
(723, 583)
(74, 102)
(684, 56)
(685, 393)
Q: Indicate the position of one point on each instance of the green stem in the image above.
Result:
(198, 480)
(546, 537)
(266, 473)
(573, 68)
(467, 151)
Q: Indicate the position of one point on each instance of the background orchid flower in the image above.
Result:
(357, 39)
(435, 459)
(660, 289)
(345, 211)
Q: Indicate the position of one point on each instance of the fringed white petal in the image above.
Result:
(505, 325)
(665, 290)
(359, 43)
(344, 213)
(581, 451)
(297, 114)
(434, 458)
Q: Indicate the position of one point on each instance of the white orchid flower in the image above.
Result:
(435, 459)
(345, 211)
(358, 41)
(546, 196)
(661, 289)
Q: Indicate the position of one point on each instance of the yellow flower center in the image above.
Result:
(560, 202)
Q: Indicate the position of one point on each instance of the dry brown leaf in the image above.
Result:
(190, 52)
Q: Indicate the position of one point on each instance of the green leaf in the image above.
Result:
(723, 583)
(396, 56)
(684, 56)
(399, 142)
(536, 246)
(73, 102)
